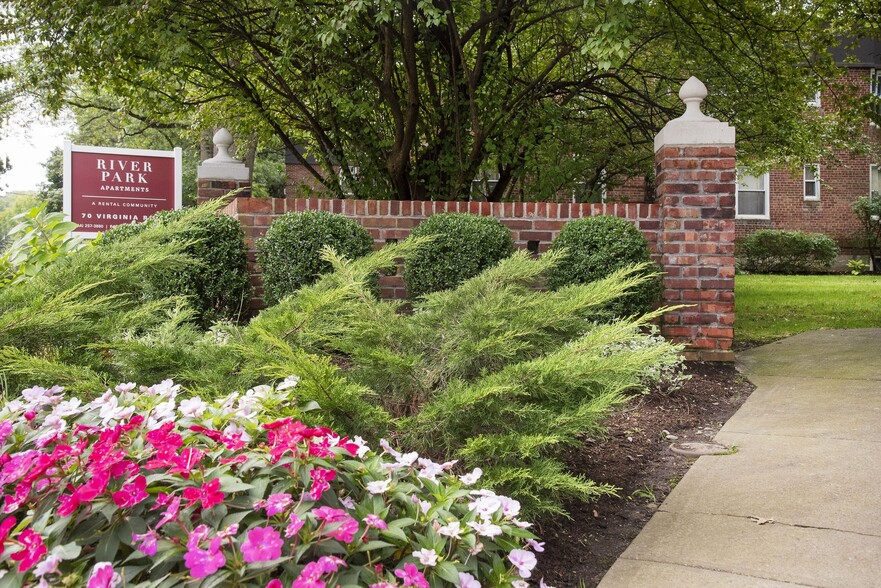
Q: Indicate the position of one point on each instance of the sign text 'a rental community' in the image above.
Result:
(107, 186)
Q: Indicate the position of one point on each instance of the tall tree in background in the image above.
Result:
(416, 98)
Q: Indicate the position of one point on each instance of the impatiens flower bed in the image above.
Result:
(142, 487)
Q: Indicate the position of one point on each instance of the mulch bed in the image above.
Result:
(635, 456)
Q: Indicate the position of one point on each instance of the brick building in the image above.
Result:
(817, 197)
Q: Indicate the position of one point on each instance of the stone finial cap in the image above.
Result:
(222, 166)
(694, 127)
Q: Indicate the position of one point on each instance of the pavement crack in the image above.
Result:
(757, 520)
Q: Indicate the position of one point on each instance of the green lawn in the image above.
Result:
(773, 307)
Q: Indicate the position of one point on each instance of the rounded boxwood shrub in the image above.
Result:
(290, 253)
(770, 251)
(463, 245)
(218, 286)
(598, 246)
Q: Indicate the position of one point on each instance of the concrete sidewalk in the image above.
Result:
(807, 467)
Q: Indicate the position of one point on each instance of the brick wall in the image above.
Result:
(843, 179)
(696, 191)
(211, 189)
(533, 225)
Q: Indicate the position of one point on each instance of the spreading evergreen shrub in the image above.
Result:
(786, 252)
(462, 246)
(216, 282)
(290, 254)
(598, 246)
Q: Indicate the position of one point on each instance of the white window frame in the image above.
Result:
(766, 181)
(875, 90)
(815, 101)
(816, 173)
(874, 174)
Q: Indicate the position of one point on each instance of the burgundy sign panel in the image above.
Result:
(112, 189)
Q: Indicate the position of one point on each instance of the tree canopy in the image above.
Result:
(414, 99)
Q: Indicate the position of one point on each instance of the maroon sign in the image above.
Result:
(108, 187)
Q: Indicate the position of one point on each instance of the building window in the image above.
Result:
(875, 181)
(812, 181)
(875, 90)
(815, 102)
(752, 195)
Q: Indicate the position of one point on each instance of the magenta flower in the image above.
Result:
(209, 494)
(147, 542)
(204, 562)
(5, 431)
(275, 504)
(131, 494)
(345, 533)
(275, 584)
(33, 549)
(295, 525)
(412, 576)
(170, 512)
(262, 544)
(320, 482)
(310, 577)
(7, 525)
(376, 522)
(103, 576)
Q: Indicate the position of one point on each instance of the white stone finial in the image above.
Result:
(222, 166)
(694, 127)
(692, 93)
(222, 140)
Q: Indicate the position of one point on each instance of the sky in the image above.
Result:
(28, 143)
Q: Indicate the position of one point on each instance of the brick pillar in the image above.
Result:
(222, 174)
(695, 164)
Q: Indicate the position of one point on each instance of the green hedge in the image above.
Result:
(770, 251)
(290, 253)
(599, 245)
(218, 284)
(462, 246)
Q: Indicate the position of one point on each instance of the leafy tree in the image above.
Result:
(415, 99)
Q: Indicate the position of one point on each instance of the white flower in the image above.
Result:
(521, 524)
(289, 382)
(486, 506)
(520, 584)
(348, 502)
(427, 557)
(48, 565)
(430, 470)
(478, 547)
(452, 530)
(378, 487)
(233, 430)
(68, 408)
(424, 506)
(259, 391)
(388, 448)
(486, 529)
(126, 387)
(112, 411)
(469, 479)
(541, 584)
(101, 400)
(536, 546)
(407, 459)
(510, 507)
(164, 411)
(165, 389)
(362, 446)
(523, 560)
(467, 581)
(193, 407)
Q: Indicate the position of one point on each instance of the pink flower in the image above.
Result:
(204, 562)
(523, 560)
(131, 494)
(295, 525)
(170, 512)
(467, 581)
(103, 576)
(147, 542)
(310, 577)
(320, 479)
(262, 544)
(275, 584)
(537, 546)
(412, 576)
(347, 528)
(383, 585)
(376, 522)
(187, 461)
(5, 431)
(7, 524)
(427, 557)
(209, 494)
(345, 533)
(275, 504)
(33, 549)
